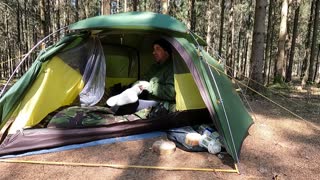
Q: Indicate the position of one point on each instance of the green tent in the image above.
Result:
(120, 46)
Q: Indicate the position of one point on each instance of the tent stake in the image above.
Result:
(121, 166)
(236, 168)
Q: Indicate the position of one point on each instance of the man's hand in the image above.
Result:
(143, 85)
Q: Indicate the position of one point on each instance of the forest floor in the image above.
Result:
(279, 146)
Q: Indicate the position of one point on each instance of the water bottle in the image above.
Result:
(210, 141)
(214, 146)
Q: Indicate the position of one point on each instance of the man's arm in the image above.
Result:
(163, 90)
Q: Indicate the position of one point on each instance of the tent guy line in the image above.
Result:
(277, 104)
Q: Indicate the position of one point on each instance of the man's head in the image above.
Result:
(161, 51)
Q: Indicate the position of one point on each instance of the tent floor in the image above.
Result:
(34, 139)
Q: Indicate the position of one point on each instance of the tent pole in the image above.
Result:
(219, 95)
(120, 166)
(26, 56)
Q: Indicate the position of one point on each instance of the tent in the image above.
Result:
(104, 51)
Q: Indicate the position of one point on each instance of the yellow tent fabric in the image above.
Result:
(57, 85)
(187, 93)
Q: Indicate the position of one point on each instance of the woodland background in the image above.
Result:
(267, 41)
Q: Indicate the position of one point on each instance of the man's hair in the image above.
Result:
(164, 44)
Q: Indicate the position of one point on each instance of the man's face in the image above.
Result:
(159, 54)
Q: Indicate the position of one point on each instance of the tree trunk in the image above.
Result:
(221, 27)
(318, 63)
(47, 18)
(125, 6)
(306, 62)
(246, 55)
(192, 16)
(164, 6)
(86, 11)
(270, 52)
(308, 40)
(209, 26)
(258, 43)
(58, 18)
(7, 44)
(105, 7)
(248, 39)
(230, 40)
(19, 32)
(267, 63)
(135, 5)
(279, 73)
(293, 43)
(53, 19)
(76, 5)
(243, 58)
(1, 64)
(316, 24)
(145, 5)
(35, 31)
(238, 59)
(42, 18)
(27, 35)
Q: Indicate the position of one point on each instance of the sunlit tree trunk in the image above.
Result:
(279, 73)
(238, 59)
(164, 5)
(125, 5)
(245, 56)
(105, 7)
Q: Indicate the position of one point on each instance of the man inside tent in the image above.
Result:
(158, 82)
